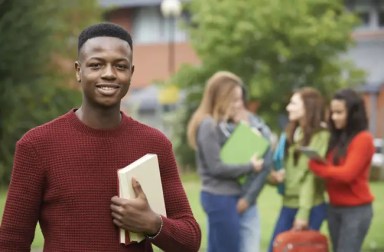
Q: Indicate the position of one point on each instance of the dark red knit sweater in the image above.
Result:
(64, 176)
(348, 183)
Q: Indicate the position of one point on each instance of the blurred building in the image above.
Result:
(152, 33)
(155, 37)
(368, 54)
(160, 48)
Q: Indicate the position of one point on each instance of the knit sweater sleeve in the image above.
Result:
(358, 157)
(209, 148)
(308, 189)
(23, 200)
(180, 231)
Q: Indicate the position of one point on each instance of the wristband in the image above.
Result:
(158, 232)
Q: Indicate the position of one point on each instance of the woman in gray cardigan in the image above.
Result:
(221, 103)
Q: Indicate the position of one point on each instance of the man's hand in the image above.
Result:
(135, 215)
(299, 225)
(242, 205)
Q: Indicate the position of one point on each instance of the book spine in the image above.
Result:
(124, 235)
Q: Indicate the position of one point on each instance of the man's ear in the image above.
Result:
(132, 69)
(78, 71)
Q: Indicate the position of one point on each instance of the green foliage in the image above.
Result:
(275, 46)
(33, 89)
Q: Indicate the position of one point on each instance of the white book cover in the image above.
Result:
(146, 171)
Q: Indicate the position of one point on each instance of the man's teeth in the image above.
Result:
(107, 88)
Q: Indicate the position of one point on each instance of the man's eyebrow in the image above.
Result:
(102, 59)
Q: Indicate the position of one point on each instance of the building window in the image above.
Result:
(370, 12)
(381, 18)
(149, 26)
(364, 18)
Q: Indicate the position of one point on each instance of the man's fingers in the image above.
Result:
(118, 223)
(116, 216)
(137, 189)
(115, 208)
(117, 201)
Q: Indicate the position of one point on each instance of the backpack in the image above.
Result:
(300, 241)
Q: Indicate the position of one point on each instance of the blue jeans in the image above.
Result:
(250, 230)
(287, 217)
(223, 222)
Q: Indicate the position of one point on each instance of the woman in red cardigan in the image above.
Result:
(346, 173)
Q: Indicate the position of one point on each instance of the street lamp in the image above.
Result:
(171, 9)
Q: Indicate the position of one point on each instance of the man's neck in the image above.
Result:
(99, 119)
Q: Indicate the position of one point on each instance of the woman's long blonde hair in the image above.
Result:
(215, 102)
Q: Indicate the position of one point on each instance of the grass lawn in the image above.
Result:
(269, 206)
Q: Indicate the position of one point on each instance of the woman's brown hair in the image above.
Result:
(314, 118)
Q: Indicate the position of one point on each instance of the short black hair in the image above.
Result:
(103, 30)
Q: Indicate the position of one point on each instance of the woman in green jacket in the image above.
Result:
(303, 200)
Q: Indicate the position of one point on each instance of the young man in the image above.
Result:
(64, 172)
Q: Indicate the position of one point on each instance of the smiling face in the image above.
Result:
(339, 114)
(104, 70)
(295, 108)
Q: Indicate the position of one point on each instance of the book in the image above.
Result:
(146, 171)
(312, 154)
(242, 144)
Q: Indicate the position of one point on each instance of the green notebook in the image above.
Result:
(243, 143)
